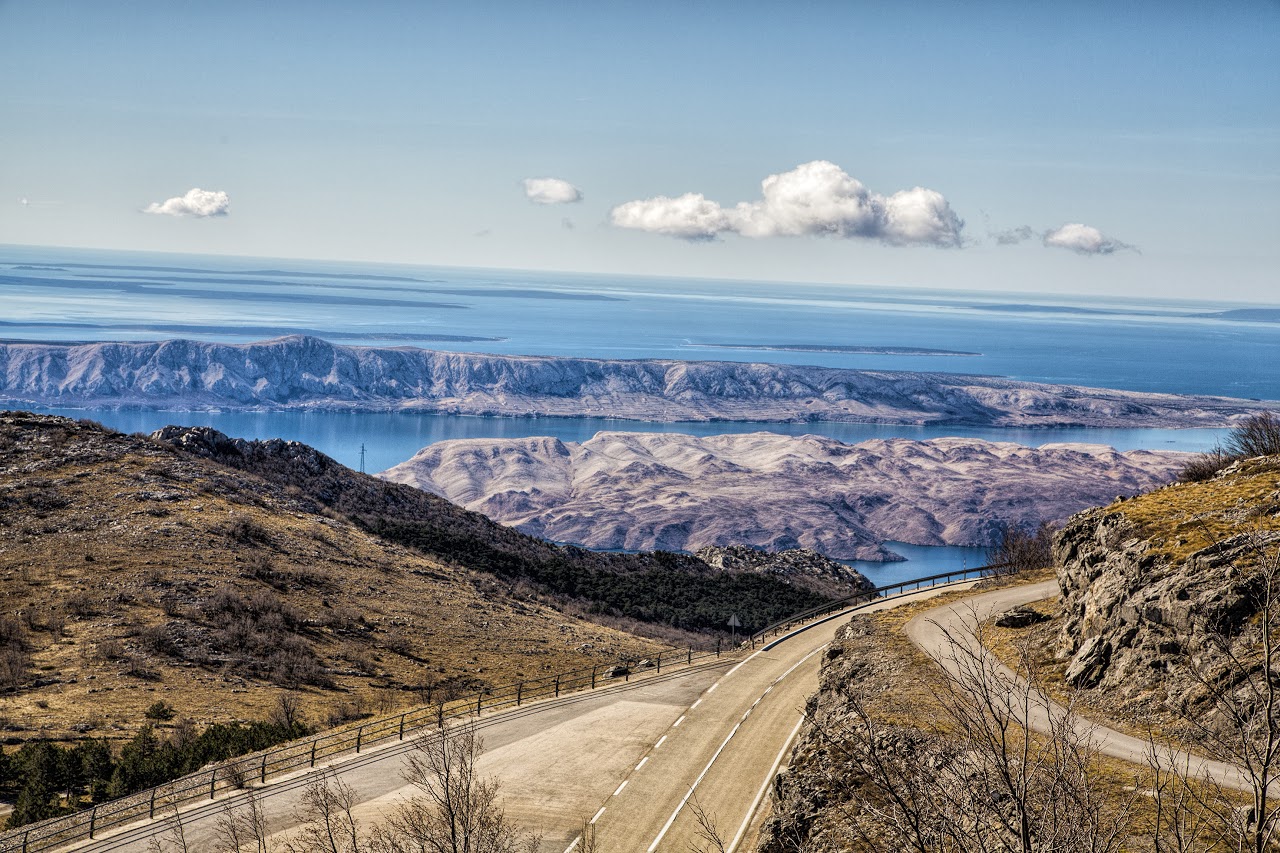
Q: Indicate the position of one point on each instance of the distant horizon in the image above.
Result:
(951, 289)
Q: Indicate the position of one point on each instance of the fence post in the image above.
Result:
(593, 678)
(557, 685)
(25, 836)
(690, 660)
(152, 812)
(93, 820)
(717, 647)
(263, 775)
(313, 753)
(659, 663)
(479, 699)
(213, 780)
(402, 727)
(359, 737)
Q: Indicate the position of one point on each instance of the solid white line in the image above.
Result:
(677, 723)
(768, 780)
(620, 787)
(597, 817)
(643, 762)
(660, 742)
(701, 776)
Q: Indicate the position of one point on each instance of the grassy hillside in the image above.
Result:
(132, 573)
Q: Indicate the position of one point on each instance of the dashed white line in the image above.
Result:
(620, 787)
(666, 826)
(573, 845)
(660, 742)
(643, 762)
(695, 704)
(598, 814)
(677, 723)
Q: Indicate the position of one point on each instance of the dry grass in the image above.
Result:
(112, 550)
(1183, 518)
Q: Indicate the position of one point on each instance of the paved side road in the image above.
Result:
(934, 631)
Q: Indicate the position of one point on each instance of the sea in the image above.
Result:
(1141, 344)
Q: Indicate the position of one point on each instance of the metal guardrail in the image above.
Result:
(785, 625)
(238, 773)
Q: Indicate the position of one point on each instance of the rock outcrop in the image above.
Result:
(1155, 587)
(799, 566)
(300, 372)
(641, 491)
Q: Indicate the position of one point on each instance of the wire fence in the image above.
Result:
(259, 767)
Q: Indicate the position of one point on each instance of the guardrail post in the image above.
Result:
(402, 727)
(93, 820)
(313, 753)
(359, 737)
(152, 812)
(263, 775)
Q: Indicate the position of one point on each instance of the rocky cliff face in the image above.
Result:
(299, 372)
(640, 491)
(1167, 580)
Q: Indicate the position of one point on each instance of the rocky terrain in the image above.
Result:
(1160, 592)
(299, 372)
(641, 491)
(799, 566)
(212, 573)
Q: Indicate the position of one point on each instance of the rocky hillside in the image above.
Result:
(299, 372)
(211, 573)
(775, 492)
(135, 573)
(1167, 581)
(799, 566)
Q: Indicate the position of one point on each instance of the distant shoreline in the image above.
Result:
(840, 348)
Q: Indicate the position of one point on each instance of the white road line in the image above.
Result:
(712, 688)
(695, 704)
(643, 762)
(666, 826)
(768, 780)
(620, 787)
(660, 742)
(598, 814)
(573, 845)
(677, 723)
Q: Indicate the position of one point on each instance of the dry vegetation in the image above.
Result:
(132, 573)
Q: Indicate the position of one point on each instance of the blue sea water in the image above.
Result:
(49, 294)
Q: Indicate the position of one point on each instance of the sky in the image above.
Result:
(1127, 148)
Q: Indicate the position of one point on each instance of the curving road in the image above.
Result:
(633, 758)
(934, 631)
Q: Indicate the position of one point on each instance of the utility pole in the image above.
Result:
(362, 457)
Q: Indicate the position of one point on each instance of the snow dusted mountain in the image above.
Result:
(299, 372)
(654, 490)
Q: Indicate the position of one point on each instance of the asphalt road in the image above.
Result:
(933, 632)
(634, 758)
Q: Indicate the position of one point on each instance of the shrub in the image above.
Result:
(159, 711)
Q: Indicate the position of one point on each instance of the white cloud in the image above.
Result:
(196, 202)
(551, 191)
(813, 199)
(1083, 239)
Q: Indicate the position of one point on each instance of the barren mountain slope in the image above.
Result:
(651, 490)
(132, 573)
(298, 372)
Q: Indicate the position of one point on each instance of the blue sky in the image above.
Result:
(402, 132)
